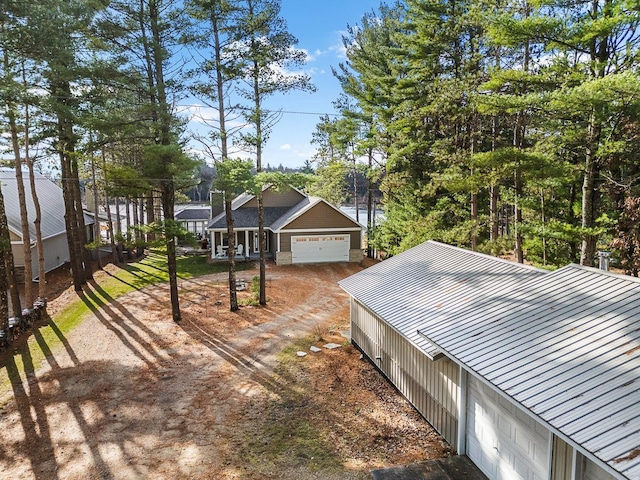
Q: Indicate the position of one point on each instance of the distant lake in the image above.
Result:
(362, 212)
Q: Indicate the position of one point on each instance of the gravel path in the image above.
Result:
(131, 395)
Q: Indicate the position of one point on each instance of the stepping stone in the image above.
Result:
(315, 349)
(331, 346)
(302, 354)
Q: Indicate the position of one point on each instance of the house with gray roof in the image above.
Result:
(194, 218)
(52, 226)
(299, 229)
(531, 374)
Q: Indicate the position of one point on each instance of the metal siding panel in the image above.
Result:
(430, 398)
(562, 460)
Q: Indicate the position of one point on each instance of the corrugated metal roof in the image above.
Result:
(430, 279)
(566, 346)
(51, 204)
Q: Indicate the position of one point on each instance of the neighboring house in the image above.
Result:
(299, 229)
(194, 218)
(533, 375)
(56, 249)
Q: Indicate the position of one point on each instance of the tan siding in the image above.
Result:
(322, 216)
(356, 240)
(431, 387)
(285, 242)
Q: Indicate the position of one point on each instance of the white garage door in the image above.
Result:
(503, 441)
(320, 248)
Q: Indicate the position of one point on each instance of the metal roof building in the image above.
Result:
(52, 223)
(432, 279)
(567, 348)
(51, 203)
(531, 374)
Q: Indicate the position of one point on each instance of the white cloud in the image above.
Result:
(286, 146)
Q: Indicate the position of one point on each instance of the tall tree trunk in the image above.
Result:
(168, 200)
(107, 207)
(97, 238)
(81, 238)
(474, 195)
(4, 279)
(231, 264)
(599, 55)
(118, 217)
(71, 226)
(571, 220)
(494, 221)
(7, 260)
(136, 224)
(517, 215)
(259, 140)
(151, 215)
(118, 231)
(590, 197)
(355, 185)
(519, 143)
(167, 185)
(370, 212)
(37, 221)
(22, 200)
(231, 253)
(127, 206)
(66, 148)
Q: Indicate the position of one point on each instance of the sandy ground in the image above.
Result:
(129, 394)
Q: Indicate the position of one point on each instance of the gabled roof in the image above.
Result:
(246, 197)
(566, 346)
(303, 207)
(193, 213)
(275, 218)
(51, 204)
(248, 218)
(432, 278)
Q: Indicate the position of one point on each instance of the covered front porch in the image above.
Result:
(246, 244)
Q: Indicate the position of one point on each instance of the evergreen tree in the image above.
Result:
(266, 52)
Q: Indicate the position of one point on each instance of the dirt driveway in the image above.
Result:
(129, 394)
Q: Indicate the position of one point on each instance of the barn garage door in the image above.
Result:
(320, 248)
(504, 442)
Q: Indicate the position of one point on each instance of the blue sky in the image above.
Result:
(318, 25)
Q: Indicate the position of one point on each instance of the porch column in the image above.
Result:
(246, 243)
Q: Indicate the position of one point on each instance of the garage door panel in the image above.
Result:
(320, 248)
(504, 442)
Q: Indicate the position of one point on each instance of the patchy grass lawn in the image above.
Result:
(110, 283)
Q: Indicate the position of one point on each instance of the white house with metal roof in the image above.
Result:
(533, 375)
(52, 226)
